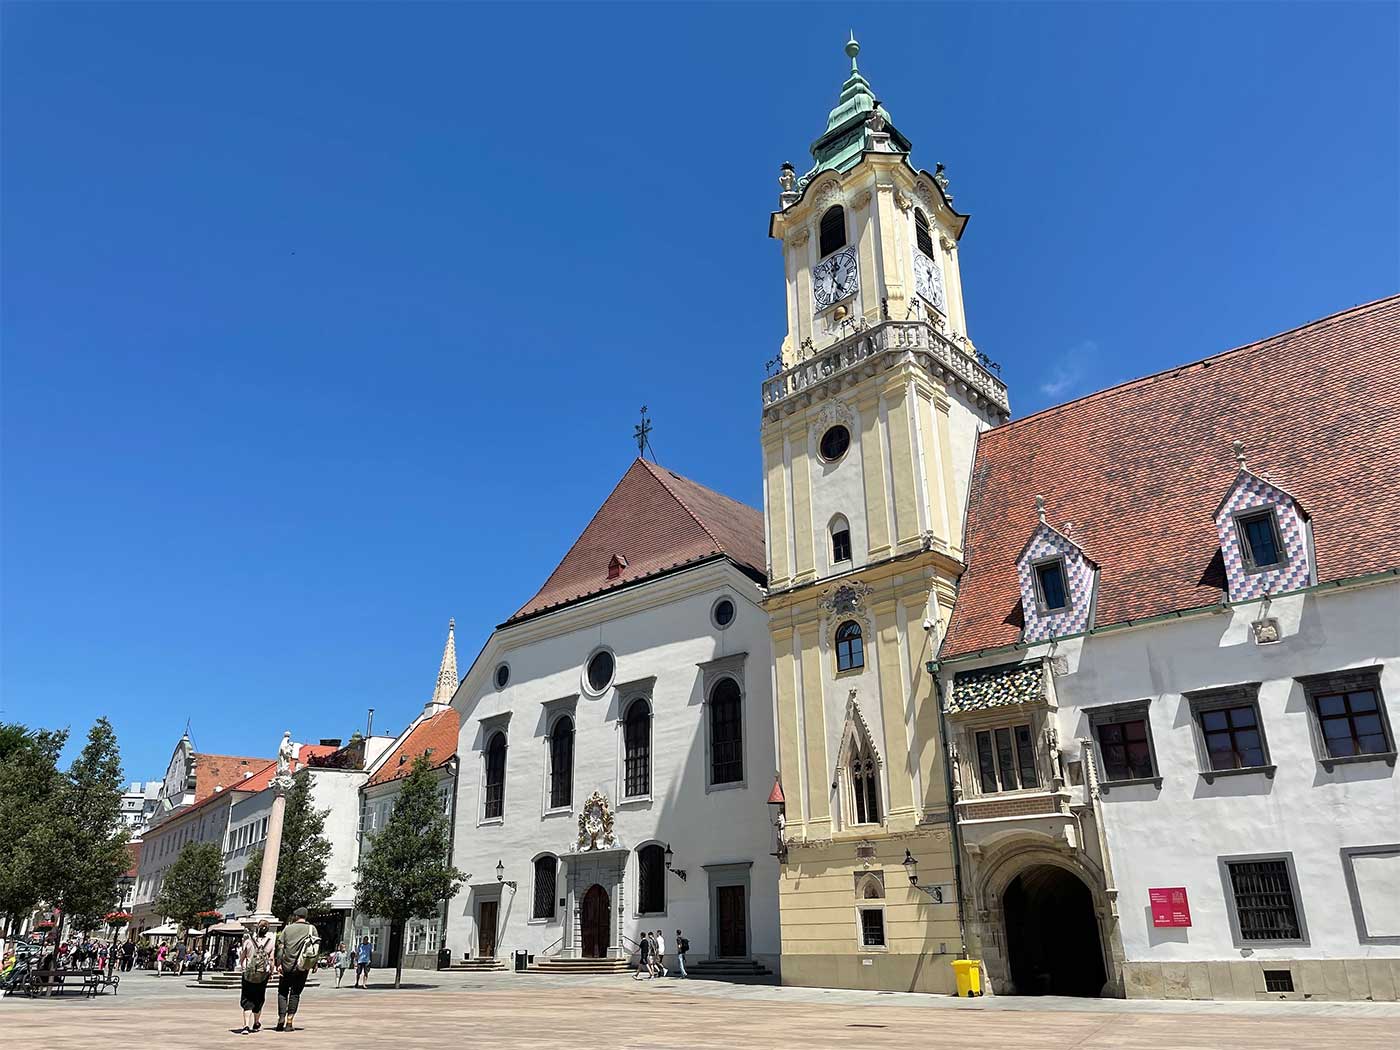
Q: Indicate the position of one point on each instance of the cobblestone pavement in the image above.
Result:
(532, 1011)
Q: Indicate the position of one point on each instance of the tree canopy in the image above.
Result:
(30, 787)
(301, 864)
(408, 870)
(193, 884)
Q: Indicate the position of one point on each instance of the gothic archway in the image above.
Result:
(1052, 934)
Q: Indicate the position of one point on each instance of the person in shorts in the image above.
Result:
(362, 956)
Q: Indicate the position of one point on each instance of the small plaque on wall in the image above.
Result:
(1169, 906)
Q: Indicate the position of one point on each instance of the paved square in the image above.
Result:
(531, 1011)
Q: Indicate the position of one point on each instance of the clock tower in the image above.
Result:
(870, 418)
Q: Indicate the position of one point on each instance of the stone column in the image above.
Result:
(272, 852)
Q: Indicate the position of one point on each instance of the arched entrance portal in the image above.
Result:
(595, 918)
(1052, 934)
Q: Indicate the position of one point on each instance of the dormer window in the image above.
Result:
(1050, 591)
(1260, 542)
(615, 566)
(833, 230)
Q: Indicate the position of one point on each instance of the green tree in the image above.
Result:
(81, 855)
(30, 787)
(301, 864)
(193, 884)
(408, 871)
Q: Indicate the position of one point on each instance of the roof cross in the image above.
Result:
(640, 434)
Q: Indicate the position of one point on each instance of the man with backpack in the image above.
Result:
(682, 946)
(298, 949)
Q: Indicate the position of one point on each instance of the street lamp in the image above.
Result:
(674, 871)
(501, 875)
(911, 868)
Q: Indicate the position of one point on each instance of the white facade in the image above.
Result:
(140, 802)
(1332, 825)
(670, 654)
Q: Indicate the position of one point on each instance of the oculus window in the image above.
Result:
(600, 670)
(834, 443)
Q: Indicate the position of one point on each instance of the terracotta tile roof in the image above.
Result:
(259, 778)
(436, 736)
(1140, 468)
(211, 771)
(653, 521)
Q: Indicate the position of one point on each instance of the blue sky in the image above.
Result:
(324, 323)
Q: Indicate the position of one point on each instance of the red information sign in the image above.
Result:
(1169, 906)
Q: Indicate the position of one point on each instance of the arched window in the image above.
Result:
(833, 230)
(850, 649)
(561, 763)
(726, 733)
(865, 784)
(922, 234)
(636, 731)
(545, 868)
(651, 879)
(496, 776)
(840, 539)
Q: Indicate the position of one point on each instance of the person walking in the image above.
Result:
(682, 946)
(298, 947)
(643, 957)
(661, 954)
(362, 958)
(255, 962)
(340, 958)
(128, 955)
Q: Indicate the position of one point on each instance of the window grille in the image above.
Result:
(726, 733)
(561, 764)
(651, 879)
(637, 733)
(544, 888)
(1264, 901)
(496, 777)
(872, 927)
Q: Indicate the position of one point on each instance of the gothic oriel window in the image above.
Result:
(850, 649)
(496, 777)
(651, 879)
(545, 868)
(833, 230)
(1006, 759)
(636, 731)
(561, 763)
(865, 785)
(726, 733)
(922, 235)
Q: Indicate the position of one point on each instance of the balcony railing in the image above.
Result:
(953, 359)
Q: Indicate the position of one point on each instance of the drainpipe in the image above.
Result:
(933, 667)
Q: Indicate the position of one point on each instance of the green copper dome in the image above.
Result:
(846, 136)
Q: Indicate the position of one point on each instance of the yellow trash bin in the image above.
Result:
(969, 976)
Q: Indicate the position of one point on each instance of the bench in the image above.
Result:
(98, 981)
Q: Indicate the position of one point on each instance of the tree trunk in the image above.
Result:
(398, 960)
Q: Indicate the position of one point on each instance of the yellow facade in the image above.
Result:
(864, 536)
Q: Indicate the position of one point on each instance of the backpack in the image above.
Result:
(304, 954)
(683, 946)
(257, 969)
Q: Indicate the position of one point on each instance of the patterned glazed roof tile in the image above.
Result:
(1140, 469)
(435, 736)
(997, 687)
(654, 520)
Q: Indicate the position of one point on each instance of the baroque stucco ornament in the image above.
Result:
(832, 413)
(829, 193)
(595, 825)
(846, 599)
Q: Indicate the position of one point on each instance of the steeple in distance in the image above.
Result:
(447, 671)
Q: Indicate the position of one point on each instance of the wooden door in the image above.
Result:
(733, 924)
(486, 929)
(595, 920)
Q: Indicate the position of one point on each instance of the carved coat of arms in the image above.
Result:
(595, 824)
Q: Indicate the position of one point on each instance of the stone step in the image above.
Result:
(477, 966)
(729, 968)
(557, 965)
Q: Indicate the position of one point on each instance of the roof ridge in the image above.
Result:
(704, 525)
(1327, 319)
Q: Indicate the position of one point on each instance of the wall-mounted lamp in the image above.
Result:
(670, 855)
(501, 875)
(911, 868)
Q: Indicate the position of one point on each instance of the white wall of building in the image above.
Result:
(659, 630)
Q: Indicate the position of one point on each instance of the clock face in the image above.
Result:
(834, 278)
(928, 281)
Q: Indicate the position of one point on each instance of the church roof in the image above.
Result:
(435, 737)
(654, 521)
(221, 771)
(1140, 468)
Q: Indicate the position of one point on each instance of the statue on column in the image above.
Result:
(286, 751)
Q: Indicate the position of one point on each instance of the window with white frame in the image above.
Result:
(636, 732)
(546, 869)
(495, 799)
(870, 910)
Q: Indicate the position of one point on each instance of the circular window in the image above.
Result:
(600, 670)
(835, 442)
(502, 675)
(723, 613)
